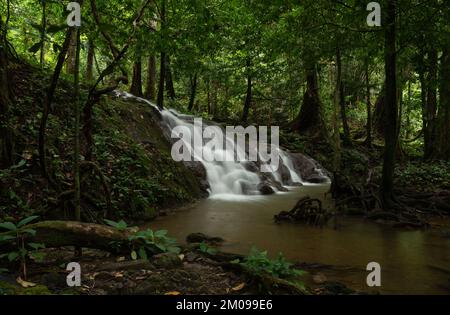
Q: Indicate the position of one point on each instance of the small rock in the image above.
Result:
(319, 278)
(200, 237)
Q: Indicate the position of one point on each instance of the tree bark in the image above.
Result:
(368, 104)
(162, 61)
(193, 81)
(444, 110)
(136, 82)
(308, 120)
(6, 135)
(43, 28)
(248, 96)
(47, 104)
(150, 92)
(71, 54)
(342, 105)
(90, 61)
(431, 106)
(162, 74)
(387, 180)
(76, 83)
(169, 80)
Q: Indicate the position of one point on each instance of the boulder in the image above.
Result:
(199, 171)
(310, 170)
(265, 189)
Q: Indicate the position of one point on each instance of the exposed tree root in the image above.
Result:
(307, 210)
(409, 208)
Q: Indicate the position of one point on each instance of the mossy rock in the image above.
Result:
(11, 289)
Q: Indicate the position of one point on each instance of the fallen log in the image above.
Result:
(71, 233)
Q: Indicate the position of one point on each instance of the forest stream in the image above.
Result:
(410, 259)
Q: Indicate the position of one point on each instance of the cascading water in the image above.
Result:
(224, 178)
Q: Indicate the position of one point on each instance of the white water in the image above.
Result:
(227, 180)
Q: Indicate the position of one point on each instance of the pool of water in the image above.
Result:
(412, 262)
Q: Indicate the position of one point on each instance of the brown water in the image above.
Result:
(407, 258)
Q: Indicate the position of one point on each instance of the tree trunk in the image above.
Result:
(193, 81)
(90, 61)
(43, 28)
(342, 105)
(390, 127)
(431, 106)
(150, 92)
(444, 110)
(408, 112)
(48, 101)
(76, 83)
(71, 54)
(248, 96)
(162, 74)
(369, 109)
(136, 83)
(6, 135)
(308, 120)
(169, 80)
(162, 62)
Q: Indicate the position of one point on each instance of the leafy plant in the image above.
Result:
(148, 242)
(23, 250)
(257, 262)
(121, 225)
(205, 248)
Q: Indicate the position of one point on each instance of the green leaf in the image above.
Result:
(36, 246)
(9, 226)
(122, 225)
(6, 238)
(133, 255)
(13, 256)
(30, 231)
(27, 220)
(142, 253)
(161, 233)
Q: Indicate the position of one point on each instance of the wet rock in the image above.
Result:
(199, 171)
(265, 189)
(251, 167)
(309, 169)
(285, 174)
(166, 260)
(316, 179)
(200, 237)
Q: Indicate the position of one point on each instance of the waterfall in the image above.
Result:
(226, 178)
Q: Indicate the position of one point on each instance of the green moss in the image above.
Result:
(10, 289)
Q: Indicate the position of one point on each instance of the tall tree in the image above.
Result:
(136, 81)
(444, 110)
(6, 135)
(162, 61)
(391, 111)
(248, 94)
